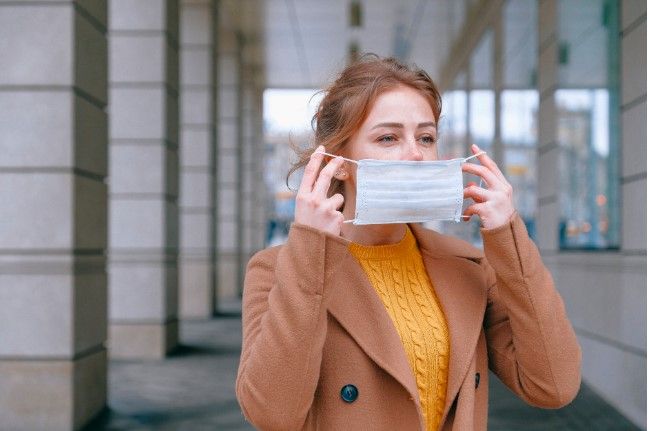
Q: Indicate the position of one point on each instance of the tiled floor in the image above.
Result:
(193, 390)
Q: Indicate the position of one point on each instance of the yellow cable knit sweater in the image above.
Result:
(398, 274)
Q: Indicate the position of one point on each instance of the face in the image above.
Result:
(400, 126)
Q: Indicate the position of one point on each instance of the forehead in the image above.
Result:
(400, 104)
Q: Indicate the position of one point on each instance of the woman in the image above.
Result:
(392, 326)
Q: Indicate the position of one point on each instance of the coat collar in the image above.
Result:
(458, 283)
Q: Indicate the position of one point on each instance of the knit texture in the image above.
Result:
(397, 273)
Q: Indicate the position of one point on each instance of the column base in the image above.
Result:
(142, 341)
(52, 394)
(227, 289)
(196, 290)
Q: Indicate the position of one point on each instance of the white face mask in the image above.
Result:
(400, 191)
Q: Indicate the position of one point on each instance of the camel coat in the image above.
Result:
(313, 324)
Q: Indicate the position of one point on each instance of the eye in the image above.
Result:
(387, 138)
(427, 139)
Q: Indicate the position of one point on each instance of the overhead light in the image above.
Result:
(564, 52)
(355, 14)
(353, 51)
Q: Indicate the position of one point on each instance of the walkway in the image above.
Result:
(193, 390)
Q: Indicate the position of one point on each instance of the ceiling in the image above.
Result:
(304, 43)
(307, 41)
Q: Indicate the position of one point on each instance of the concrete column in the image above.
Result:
(228, 160)
(197, 263)
(246, 173)
(261, 199)
(468, 86)
(633, 114)
(53, 205)
(497, 65)
(548, 151)
(254, 188)
(143, 260)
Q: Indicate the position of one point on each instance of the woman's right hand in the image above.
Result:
(312, 207)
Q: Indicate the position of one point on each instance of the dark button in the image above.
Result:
(349, 393)
(477, 380)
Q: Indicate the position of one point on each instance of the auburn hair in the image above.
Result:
(349, 99)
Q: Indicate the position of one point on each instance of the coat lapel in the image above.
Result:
(458, 284)
(358, 308)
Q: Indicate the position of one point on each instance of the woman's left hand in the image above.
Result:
(494, 204)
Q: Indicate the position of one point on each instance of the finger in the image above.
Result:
(490, 178)
(336, 201)
(311, 171)
(478, 194)
(471, 210)
(488, 162)
(326, 174)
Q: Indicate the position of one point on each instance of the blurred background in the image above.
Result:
(144, 147)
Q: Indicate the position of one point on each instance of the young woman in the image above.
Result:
(393, 326)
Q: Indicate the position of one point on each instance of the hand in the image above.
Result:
(494, 205)
(312, 207)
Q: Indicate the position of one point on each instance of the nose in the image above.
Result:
(413, 151)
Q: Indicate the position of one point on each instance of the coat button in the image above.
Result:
(477, 380)
(349, 393)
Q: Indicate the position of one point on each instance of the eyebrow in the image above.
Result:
(399, 125)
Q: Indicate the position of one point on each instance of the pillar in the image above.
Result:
(254, 191)
(143, 257)
(497, 65)
(228, 193)
(197, 260)
(633, 117)
(548, 150)
(53, 212)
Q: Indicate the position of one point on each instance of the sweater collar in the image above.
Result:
(385, 251)
(433, 243)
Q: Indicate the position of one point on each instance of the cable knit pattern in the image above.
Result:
(397, 273)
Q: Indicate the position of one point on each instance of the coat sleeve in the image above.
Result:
(284, 323)
(532, 346)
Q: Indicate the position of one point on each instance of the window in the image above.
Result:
(587, 126)
(519, 103)
(518, 119)
(452, 125)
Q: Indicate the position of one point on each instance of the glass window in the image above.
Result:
(587, 125)
(518, 119)
(452, 125)
(481, 103)
(481, 120)
(287, 118)
(519, 103)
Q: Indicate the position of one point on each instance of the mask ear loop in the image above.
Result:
(344, 158)
(480, 185)
(333, 155)
(475, 155)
